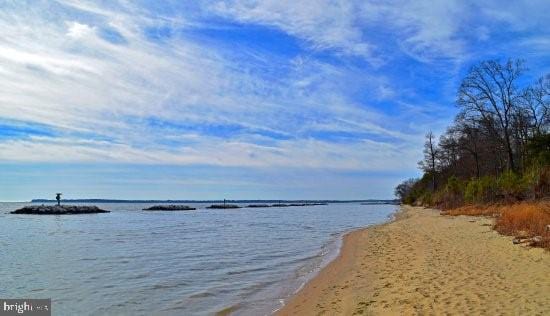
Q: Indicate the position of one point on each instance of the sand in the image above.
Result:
(427, 264)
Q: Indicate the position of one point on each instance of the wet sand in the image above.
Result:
(425, 263)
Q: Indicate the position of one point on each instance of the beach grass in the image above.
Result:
(522, 220)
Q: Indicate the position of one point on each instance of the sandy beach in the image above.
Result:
(425, 263)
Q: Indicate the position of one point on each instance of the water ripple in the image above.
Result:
(133, 262)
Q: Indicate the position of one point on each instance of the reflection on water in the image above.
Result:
(199, 262)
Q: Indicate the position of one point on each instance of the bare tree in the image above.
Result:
(536, 105)
(489, 92)
(428, 164)
(470, 140)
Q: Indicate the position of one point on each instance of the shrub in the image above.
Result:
(454, 186)
(472, 192)
(426, 198)
(537, 181)
(480, 190)
(511, 186)
(451, 196)
(539, 149)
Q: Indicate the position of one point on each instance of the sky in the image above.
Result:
(241, 99)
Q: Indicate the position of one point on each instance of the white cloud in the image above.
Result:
(425, 30)
(78, 30)
(363, 156)
(324, 24)
(63, 75)
(57, 70)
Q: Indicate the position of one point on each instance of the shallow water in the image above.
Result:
(134, 262)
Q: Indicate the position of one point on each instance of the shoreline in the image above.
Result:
(422, 262)
(329, 258)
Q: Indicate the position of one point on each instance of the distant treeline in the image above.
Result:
(498, 147)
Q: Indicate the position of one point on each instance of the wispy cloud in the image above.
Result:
(344, 85)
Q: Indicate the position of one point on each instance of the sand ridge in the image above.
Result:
(427, 264)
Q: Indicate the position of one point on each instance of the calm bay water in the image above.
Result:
(133, 262)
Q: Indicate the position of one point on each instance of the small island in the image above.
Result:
(170, 207)
(59, 210)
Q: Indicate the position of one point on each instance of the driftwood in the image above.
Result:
(530, 240)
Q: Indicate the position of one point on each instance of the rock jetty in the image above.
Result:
(223, 206)
(59, 209)
(170, 207)
(284, 205)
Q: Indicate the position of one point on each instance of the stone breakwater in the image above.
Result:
(59, 210)
(223, 206)
(169, 208)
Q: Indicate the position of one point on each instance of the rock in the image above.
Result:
(59, 210)
(223, 206)
(548, 228)
(170, 207)
(536, 239)
(519, 240)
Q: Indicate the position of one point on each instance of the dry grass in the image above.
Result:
(474, 210)
(526, 219)
(529, 219)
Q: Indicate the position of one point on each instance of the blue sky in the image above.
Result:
(239, 99)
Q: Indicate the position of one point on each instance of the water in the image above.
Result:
(133, 262)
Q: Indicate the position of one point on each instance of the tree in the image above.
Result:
(470, 139)
(403, 189)
(489, 93)
(536, 105)
(501, 133)
(428, 164)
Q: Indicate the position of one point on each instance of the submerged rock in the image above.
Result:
(59, 209)
(169, 208)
